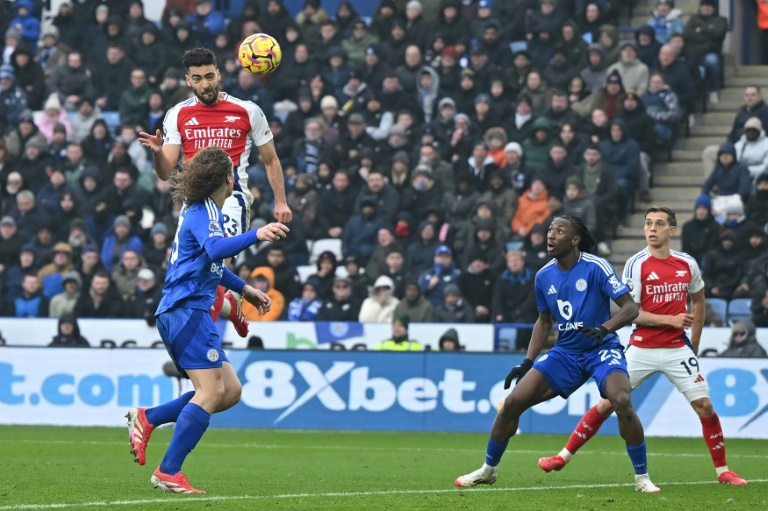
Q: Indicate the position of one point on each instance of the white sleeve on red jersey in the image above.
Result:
(260, 132)
(632, 276)
(171, 133)
(697, 282)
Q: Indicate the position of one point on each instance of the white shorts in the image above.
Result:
(237, 213)
(679, 365)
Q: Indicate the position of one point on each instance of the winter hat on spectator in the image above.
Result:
(462, 117)
(446, 102)
(485, 4)
(614, 77)
(8, 220)
(52, 31)
(356, 119)
(26, 116)
(450, 51)
(451, 289)
(146, 274)
(329, 102)
(72, 276)
(514, 146)
(402, 157)
(383, 281)
(575, 181)
(38, 144)
(443, 250)
(403, 319)
(91, 248)
(727, 147)
(711, 3)
(735, 208)
(122, 220)
(158, 228)
(422, 170)
(753, 123)
(483, 98)
(414, 4)
(13, 33)
(6, 71)
(62, 247)
(52, 103)
(762, 178)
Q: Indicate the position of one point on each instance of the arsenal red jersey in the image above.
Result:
(231, 124)
(661, 286)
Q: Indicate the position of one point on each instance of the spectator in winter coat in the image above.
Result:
(125, 274)
(743, 342)
(420, 254)
(143, 302)
(752, 147)
(13, 100)
(432, 282)
(532, 209)
(206, 22)
(634, 73)
(32, 303)
(52, 275)
(476, 285)
(665, 20)
(68, 334)
(65, 302)
(361, 231)
(263, 279)
(647, 46)
(514, 299)
(102, 300)
(335, 207)
(556, 170)
(538, 144)
(701, 233)
(609, 98)
(118, 242)
(723, 268)
(459, 203)
(759, 295)
(502, 196)
(454, 309)
(729, 177)
(380, 306)
(27, 22)
(415, 305)
(72, 81)
(306, 307)
(622, 154)
(756, 208)
(424, 194)
(704, 34)
(576, 204)
(597, 69)
(342, 306)
(663, 106)
(753, 106)
(676, 75)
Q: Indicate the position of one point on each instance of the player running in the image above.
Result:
(214, 118)
(661, 280)
(573, 290)
(195, 269)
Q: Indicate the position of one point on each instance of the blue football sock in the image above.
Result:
(169, 412)
(190, 426)
(494, 451)
(639, 458)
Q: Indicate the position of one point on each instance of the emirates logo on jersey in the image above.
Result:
(667, 292)
(207, 137)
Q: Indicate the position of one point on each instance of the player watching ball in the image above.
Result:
(574, 290)
(214, 118)
(661, 280)
(195, 269)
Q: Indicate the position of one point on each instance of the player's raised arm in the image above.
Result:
(165, 155)
(218, 247)
(276, 180)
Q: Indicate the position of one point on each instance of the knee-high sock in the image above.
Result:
(588, 427)
(493, 452)
(192, 423)
(639, 458)
(169, 412)
(713, 436)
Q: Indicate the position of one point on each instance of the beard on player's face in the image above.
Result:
(204, 97)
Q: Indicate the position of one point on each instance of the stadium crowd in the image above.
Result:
(426, 155)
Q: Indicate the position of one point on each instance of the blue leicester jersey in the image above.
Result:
(579, 297)
(193, 276)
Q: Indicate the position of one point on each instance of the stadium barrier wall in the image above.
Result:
(135, 333)
(354, 390)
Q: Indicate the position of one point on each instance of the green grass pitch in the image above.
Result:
(91, 469)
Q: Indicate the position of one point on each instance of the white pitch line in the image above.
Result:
(618, 452)
(212, 498)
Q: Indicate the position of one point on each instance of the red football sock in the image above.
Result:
(588, 427)
(713, 436)
(218, 303)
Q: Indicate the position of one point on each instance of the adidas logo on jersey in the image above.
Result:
(699, 379)
(552, 290)
(652, 276)
(192, 122)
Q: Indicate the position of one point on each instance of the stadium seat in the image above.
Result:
(739, 310)
(320, 246)
(306, 271)
(720, 306)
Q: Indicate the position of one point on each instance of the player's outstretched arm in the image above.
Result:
(276, 180)
(165, 155)
(699, 305)
(262, 302)
(219, 247)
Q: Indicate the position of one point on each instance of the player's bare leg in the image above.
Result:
(617, 390)
(232, 388)
(531, 390)
(713, 436)
(587, 427)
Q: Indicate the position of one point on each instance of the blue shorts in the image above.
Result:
(566, 370)
(191, 339)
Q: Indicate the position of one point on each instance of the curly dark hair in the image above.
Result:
(586, 243)
(201, 176)
(199, 57)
